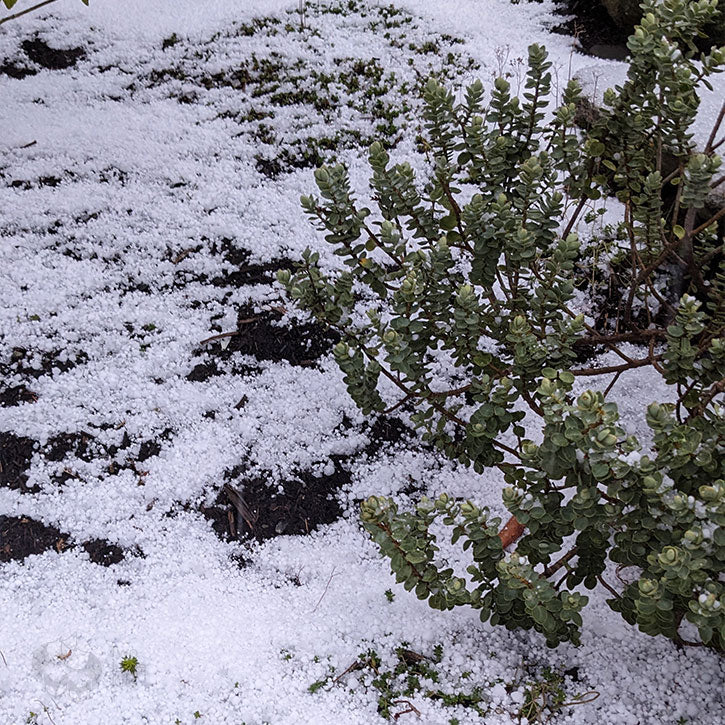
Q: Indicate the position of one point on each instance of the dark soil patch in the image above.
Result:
(13, 70)
(79, 444)
(591, 24)
(151, 448)
(257, 335)
(245, 273)
(297, 344)
(10, 397)
(21, 537)
(203, 371)
(250, 508)
(600, 36)
(52, 58)
(15, 455)
(103, 552)
(24, 362)
(387, 430)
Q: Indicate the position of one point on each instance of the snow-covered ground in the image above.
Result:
(131, 183)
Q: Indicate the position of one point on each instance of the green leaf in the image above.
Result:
(678, 231)
(449, 223)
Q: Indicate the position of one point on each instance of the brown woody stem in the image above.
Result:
(511, 532)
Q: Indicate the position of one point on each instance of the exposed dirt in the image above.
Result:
(22, 536)
(15, 70)
(79, 444)
(298, 344)
(245, 273)
(51, 58)
(600, 36)
(16, 395)
(590, 23)
(249, 508)
(103, 552)
(15, 455)
(258, 335)
(385, 431)
(38, 54)
(35, 365)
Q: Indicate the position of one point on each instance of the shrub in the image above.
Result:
(480, 269)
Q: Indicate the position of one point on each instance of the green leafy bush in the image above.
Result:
(480, 268)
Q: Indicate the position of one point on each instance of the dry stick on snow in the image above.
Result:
(411, 708)
(590, 697)
(327, 586)
(356, 665)
(222, 335)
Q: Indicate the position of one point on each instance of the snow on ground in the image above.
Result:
(128, 183)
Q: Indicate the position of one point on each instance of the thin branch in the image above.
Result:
(222, 335)
(715, 389)
(327, 586)
(609, 588)
(397, 405)
(553, 568)
(612, 383)
(14, 16)
(716, 126)
(636, 336)
(617, 368)
(720, 214)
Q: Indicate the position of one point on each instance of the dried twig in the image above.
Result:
(356, 665)
(14, 16)
(327, 586)
(411, 708)
(220, 336)
(223, 335)
(240, 505)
